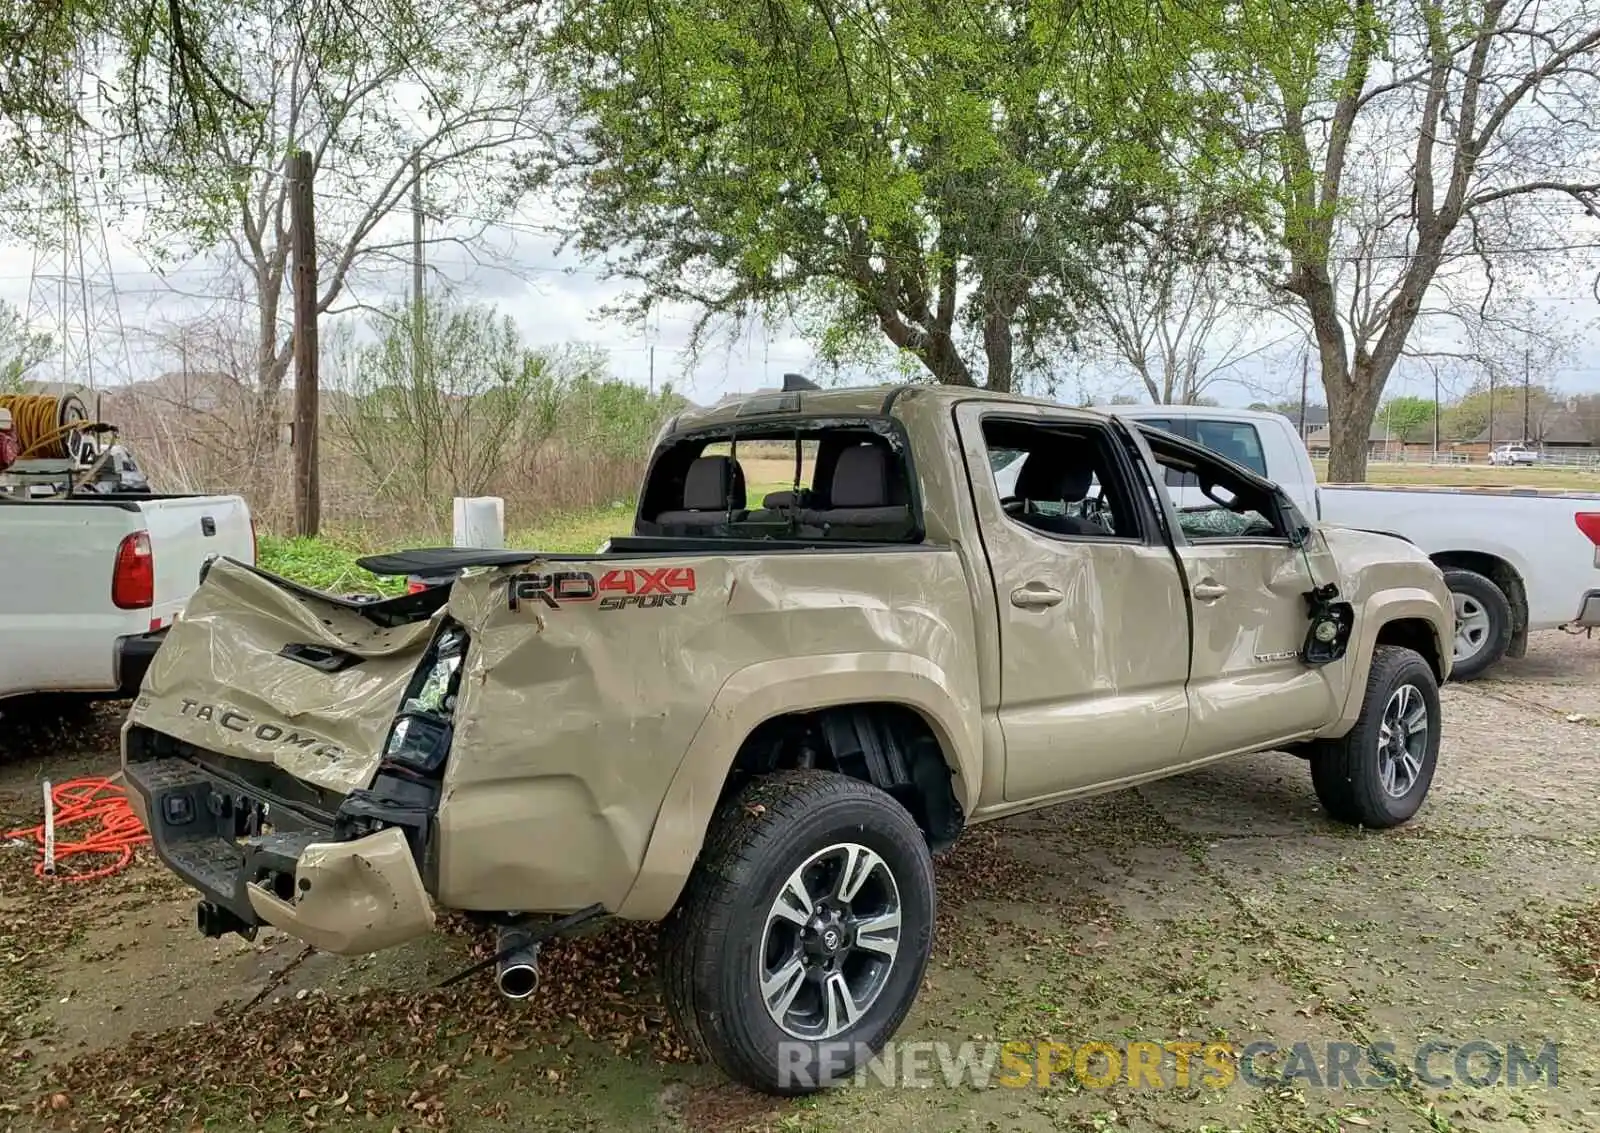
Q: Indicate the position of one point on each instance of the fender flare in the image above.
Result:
(1379, 610)
(779, 687)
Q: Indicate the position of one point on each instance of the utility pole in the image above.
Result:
(1527, 434)
(303, 249)
(1305, 367)
(1491, 409)
(418, 309)
(1436, 416)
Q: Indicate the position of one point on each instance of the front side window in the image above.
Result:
(1232, 508)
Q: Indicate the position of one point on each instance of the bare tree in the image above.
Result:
(412, 106)
(1423, 152)
(201, 424)
(1178, 318)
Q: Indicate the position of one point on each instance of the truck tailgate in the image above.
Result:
(58, 627)
(239, 676)
(185, 532)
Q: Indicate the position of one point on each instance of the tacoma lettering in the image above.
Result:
(266, 731)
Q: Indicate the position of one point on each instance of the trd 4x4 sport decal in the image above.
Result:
(640, 588)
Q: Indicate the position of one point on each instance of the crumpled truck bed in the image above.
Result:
(600, 705)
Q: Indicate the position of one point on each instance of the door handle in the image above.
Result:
(1035, 596)
(1209, 591)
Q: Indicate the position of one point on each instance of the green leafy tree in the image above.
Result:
(1408, 417)
(21, 349)
(943, 176)
(441, 423)
(1511, 404)
(474, 404)
(146, 78)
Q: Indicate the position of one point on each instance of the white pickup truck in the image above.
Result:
(89, 585)
(1515, 559)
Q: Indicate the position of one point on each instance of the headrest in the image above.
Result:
(861, 478)
(713, 483)
(1054, 475)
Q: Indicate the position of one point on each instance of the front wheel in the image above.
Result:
(1378, 773)
(801, 937)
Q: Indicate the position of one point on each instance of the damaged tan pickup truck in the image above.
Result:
(758, 718)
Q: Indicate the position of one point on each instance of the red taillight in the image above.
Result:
(1589, 523)
(415, 587)
(133, 579)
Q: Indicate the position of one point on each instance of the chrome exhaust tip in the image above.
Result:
(516, 976)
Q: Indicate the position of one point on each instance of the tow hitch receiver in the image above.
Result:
(213, 920)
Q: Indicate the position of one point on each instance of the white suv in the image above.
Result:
(1513, 454)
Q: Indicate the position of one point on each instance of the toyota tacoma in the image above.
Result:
(828, 645)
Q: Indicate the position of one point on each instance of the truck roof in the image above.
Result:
(848, 401)
(1223, 412)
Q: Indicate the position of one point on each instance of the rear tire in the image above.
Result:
(1378, 773)
(753, 966)
(1483, 623)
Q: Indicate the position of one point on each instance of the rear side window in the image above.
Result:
(1237, 440)
(839, 480)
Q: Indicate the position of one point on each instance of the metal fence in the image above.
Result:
(1557, 458)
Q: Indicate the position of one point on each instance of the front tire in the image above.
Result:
(802, 935)
(1378, 773)
(1483, 623)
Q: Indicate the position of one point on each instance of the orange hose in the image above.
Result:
(89, 800)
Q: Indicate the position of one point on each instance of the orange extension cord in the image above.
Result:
(89, 800)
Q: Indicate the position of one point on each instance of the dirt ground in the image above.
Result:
(1218, 907)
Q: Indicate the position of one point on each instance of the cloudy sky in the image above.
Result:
(557, 299)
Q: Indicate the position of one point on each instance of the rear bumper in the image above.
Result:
(1588, 610)
(133, 656)
(348, 897)
(351, 898)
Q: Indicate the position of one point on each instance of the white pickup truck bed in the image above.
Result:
(1516, 559)
(89, 585)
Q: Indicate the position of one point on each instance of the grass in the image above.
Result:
(1475, 476)
(328, 562)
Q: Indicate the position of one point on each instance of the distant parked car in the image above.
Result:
(1514, 454)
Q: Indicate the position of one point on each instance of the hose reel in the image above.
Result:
(52, 428)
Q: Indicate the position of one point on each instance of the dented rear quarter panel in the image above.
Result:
(593, 733)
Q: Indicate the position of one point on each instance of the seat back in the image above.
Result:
(861, 493)
(712, 488)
